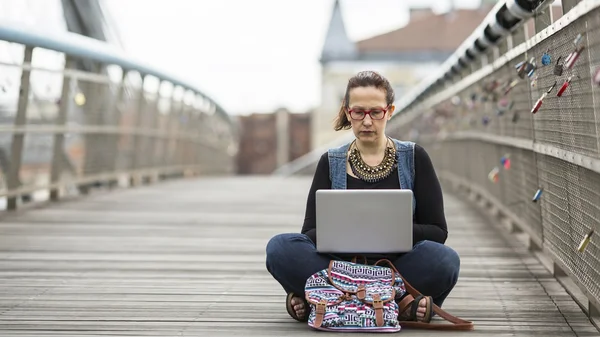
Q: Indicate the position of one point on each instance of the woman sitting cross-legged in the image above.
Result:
(431, 267)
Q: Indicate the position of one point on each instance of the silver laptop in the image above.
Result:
(364, 221)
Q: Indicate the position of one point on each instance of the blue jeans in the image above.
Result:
(432, 268)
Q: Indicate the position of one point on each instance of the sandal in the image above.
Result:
(413, 303)
(292, 312)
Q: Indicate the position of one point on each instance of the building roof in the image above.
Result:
(428, 31)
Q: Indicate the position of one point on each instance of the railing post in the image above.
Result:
(185, 148)
(181, 131)
(154, 138)
(59, 137)
(195, 142)
(117, 107)
(92, 117)
(137, 118)
(18, 138)
(170, 144)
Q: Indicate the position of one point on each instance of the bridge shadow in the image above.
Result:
(186, 257)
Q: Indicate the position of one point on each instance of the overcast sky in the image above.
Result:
(251, 55)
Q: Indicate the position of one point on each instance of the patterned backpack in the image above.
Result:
(352, 297)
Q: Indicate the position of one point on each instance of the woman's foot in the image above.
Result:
(421, 310)
(296, 307)
(417, 312)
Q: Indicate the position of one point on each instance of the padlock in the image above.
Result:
(494, 175)
(531, 70)
(505, 161)
(537, 195)
(573, 57)
(596, 77)
(538, 104)
(491, 86)
(558, 68)
(521, 69)
(578, 39)
(586, 240)
(564, 87)
(546, 59)
(526, 68)
(515, 117)
(510, 86)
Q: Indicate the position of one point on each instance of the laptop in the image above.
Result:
(364, 221)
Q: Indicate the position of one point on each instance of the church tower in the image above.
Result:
(338, 45)
(338, 53)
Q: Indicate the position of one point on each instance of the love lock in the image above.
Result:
(558, 68)
(546, 59)
(578, 39)
(538, 104)
(596, 77)
(564, 87)
(573, 57)
(515, 117)
(510, 86)
(534, 81)
(526, 68)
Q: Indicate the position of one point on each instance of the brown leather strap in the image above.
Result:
(457, 323)
(354, 259)
(378, 306)
(320, 313)
(405, 303)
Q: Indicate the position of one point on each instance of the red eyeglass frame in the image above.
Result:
(368, 112)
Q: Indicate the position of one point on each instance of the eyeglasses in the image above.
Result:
(360, 114)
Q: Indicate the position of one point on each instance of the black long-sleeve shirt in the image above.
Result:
(429, 220)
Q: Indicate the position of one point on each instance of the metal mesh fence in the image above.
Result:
(487, 137)
(101, 127)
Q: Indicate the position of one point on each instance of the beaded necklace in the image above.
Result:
(369, 173)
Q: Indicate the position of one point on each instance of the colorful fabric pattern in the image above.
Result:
(354, 297)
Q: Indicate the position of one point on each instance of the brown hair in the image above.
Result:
(362, 79)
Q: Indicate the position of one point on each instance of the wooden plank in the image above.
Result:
(187, 258)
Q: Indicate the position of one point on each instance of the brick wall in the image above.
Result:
(258, 141)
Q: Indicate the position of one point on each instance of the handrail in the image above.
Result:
(88, 48)
(505, 17)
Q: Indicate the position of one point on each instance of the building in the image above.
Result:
(260, 152)
(405, 56)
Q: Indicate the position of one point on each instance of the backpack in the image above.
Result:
(353, 297)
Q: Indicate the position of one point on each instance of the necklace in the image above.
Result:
(369, 173)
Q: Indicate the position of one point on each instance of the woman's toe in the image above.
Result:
(298, 307)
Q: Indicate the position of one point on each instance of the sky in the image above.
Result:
(251, 56)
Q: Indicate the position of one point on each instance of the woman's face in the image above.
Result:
(368, 113)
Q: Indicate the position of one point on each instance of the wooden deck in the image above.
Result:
(187, 258)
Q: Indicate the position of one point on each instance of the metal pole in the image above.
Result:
(18, 139)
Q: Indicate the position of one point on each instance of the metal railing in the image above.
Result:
(63, 129)
(477, 119)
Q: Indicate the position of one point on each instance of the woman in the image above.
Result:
(431, 267)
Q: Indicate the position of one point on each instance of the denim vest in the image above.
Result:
(404, 155)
